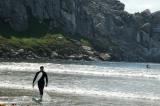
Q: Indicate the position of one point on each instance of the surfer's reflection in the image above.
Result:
(42, 79)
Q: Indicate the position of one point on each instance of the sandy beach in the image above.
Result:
(105, 84)
(22, 97)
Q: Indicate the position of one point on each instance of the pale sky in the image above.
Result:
(133, 6)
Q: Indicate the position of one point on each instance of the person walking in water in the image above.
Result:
(42, 79)
(148, 66)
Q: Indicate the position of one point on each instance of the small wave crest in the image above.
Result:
(85, 92)
(79, 70)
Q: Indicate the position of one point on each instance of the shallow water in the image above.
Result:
(83, 83)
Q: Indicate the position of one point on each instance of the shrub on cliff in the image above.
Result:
(50, 42)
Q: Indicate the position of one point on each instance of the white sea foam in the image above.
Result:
(85, 70)
(85, 92)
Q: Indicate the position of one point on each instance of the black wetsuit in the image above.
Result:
(41, 81)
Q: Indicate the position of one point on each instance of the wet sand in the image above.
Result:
(22, 97)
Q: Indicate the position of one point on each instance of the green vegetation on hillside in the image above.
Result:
(48, 43)
(40, 38)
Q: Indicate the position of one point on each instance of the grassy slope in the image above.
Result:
(47, 43)
(38, 36)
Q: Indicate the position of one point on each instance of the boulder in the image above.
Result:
(90, 52)
(104, 56)
(146, 12)
(54, 54)
(20, 51)
(86, 48)
(76, 57)
(91, 58)
(31, 55)
(146, 27)
(13, 53)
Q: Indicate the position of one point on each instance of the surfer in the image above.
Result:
(147, 66)
(42, 79)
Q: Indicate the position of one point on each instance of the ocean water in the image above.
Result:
(83, 83)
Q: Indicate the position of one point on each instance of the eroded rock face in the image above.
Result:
(80, 16)
(104, 22)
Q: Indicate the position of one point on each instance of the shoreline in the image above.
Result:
(24, 97)
(70, 61)
(49, 47)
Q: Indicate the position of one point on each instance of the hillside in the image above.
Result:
(103, 23)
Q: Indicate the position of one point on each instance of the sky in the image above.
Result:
(133, 6)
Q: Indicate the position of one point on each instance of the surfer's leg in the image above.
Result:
(41, 87)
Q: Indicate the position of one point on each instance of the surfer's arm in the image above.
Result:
(35, 78)
(46, 79)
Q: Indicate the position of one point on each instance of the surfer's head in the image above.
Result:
(41, 68)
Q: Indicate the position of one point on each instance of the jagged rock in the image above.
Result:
(146, 12)
(147, 15)
(20, 51)
(31, 55)
(156, 18)
(90, 58)
(90, 52)
(146, 27)
(76, 16)
(86, 48)
(104, 56)
(54, 54)
(13, 53)
(95, 19)
(76, 57)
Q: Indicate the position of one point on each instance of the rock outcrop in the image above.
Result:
(130, 37)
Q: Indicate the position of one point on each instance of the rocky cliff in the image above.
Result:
(129, 37)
